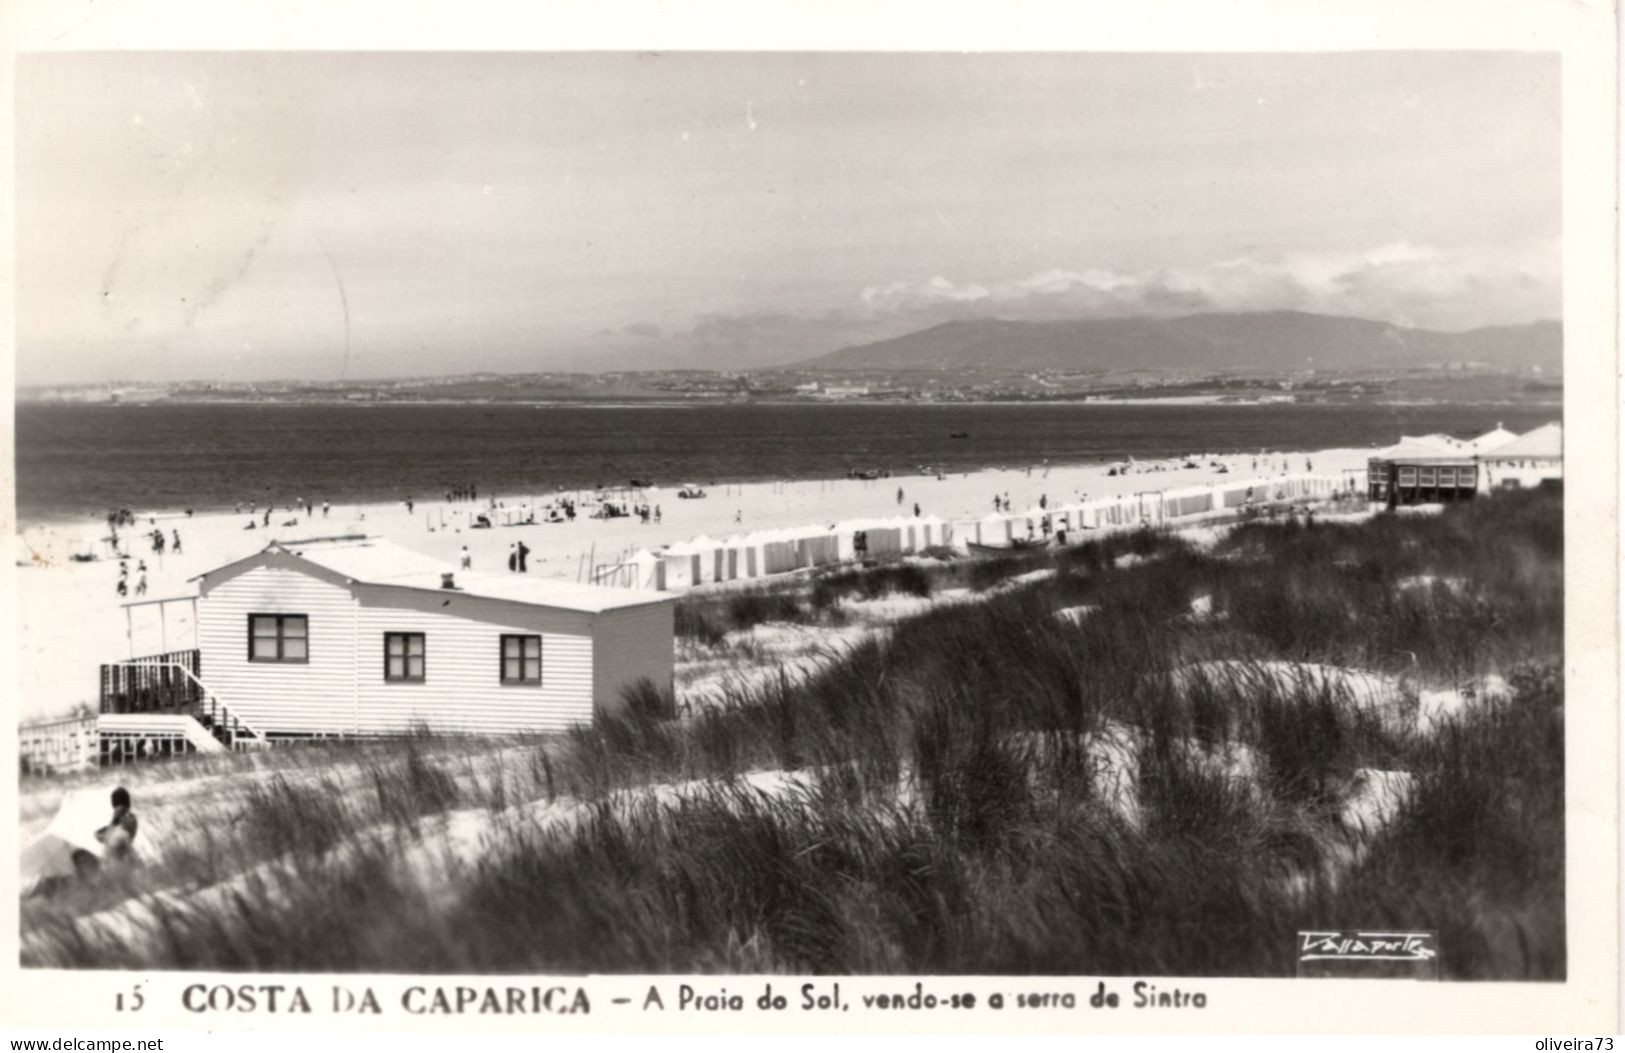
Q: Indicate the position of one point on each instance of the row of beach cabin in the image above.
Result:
(763, 553)
(1150, 508)
(705, 561)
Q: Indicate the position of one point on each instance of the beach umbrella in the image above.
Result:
(74, 827)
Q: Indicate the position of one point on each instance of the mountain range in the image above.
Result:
(1273, 341)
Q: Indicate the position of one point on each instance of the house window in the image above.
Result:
(521, 659)
(278, 638)
(403, 657)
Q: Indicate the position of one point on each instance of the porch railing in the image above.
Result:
(159, 683)
(169, 684)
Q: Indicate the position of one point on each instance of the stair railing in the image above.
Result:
(204, 702)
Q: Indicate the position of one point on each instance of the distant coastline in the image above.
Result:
(1554, 399)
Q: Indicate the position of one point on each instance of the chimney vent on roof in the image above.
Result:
(447, 581)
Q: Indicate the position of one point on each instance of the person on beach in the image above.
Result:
(524, 553)
(119, 833)
(468, 561)
(267, 515)
(657, 515)
(325, 509)
(899, 495)
(177, 545)
(513, 558)
(141, 584)
(916, 510)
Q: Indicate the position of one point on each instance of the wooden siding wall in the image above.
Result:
(630, 644)
(299, 698)
(341, 690)
(462, 689)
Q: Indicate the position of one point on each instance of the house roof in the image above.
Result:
(538, 592)
(1422, 446)
(1545, 441)
(374, 561)
(1492, 440)
(1433, 460)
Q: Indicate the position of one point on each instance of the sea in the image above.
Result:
(79, 459)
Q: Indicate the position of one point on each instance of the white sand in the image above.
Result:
(71, 620)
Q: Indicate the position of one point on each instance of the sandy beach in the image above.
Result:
(71, 618)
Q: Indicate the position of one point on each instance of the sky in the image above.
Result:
(313, 215)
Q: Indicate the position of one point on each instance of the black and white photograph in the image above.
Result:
(804, 513)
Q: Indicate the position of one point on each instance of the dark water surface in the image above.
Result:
(74, 459)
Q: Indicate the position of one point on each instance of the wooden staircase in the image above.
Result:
(162, 699)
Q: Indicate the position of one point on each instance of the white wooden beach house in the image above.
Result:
(366, 638)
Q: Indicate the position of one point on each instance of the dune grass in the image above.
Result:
(988, 788)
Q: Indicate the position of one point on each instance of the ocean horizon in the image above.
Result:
(80, 460)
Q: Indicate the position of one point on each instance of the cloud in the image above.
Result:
(647, 330)
(905, 295)
(1399, 282)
